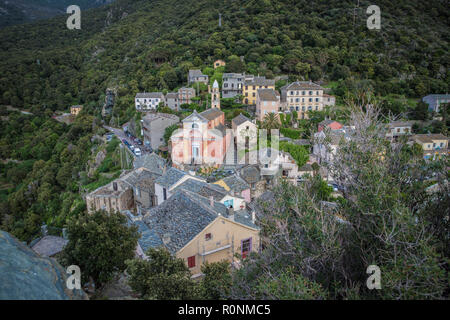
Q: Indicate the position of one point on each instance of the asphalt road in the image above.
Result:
(121, 135)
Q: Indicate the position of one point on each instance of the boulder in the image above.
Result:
(24, 275)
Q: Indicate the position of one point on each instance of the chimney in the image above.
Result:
(166, 238)
(211, 201)
(230, 212)
(253, 217)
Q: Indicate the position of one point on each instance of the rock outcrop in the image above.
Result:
(24, 275)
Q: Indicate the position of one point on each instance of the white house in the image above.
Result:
(148, 100)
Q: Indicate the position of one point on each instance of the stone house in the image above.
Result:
(148, 101)
(154, 126)
(252, 175)
(133, 191)
(267, 101)
(396, 129)
(172, 100)
(197, 76)
(199, 230)
(302, 96)
(329, 100)
(232, 84)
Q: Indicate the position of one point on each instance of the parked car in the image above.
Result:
(139, 142)
(131, 147)
(334, 186)
(137, 152)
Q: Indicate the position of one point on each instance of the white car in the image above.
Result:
(137, 152)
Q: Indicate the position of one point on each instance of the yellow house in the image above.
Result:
(219, 63)
(199, 230)
(433, 145)
(75, 110)
(252, 85)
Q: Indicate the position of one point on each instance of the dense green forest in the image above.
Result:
(42, 182)
(150, 45)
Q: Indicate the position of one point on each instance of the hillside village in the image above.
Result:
(197, 195)
(207, 150)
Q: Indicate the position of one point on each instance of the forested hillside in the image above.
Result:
(149, 45)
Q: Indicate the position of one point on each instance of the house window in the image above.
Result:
(229, 203)
(208, 236)
(164, 194)
(191, 262)
(246, 247)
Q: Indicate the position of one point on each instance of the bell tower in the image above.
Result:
(215, 95)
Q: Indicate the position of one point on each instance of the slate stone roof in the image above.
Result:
(155, 116)
(240, 119)
(172, 95)
(149, 238)
(195, 73)
(396, 124)
(48, 246)
(152, 162)
(170, 177)
(221, 128)
(150, 95)
(193, 115)
(24, 275)
(268, 95)
(211, 113)
(244, 217)
(306, 168)
(184, 215)
(260, 81)
(264, 201)
(202, 188)
(428, 138)
(181, 217)
(136, 176)
(251, 174)
(236, 183)
(302, 85)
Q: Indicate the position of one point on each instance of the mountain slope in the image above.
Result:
(150, 45)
